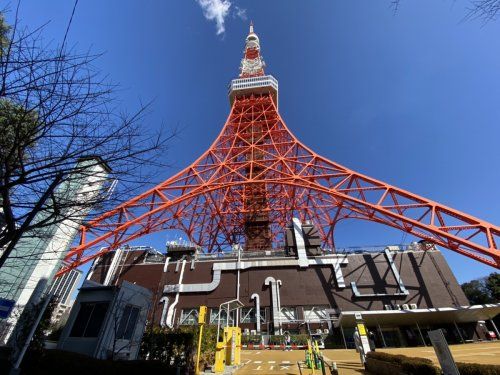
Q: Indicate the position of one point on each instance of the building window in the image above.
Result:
(288, 314)
(89, 320)
(189, 316)
(214, 317)
(128, 322)
(315, 314)
(248, 315)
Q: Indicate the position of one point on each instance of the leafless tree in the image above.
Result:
(55, 109)
(485, 10)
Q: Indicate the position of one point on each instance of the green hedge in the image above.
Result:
(299, 339)
(477, 369)
(388, 364)
(392, 364)
(178, 346)
(251, 339)
(295, 339)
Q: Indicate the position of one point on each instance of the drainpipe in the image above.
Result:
(171, 311)
(238, 266)
(299, 242)
(113, 266)
(256, 297)
(278, 284)
(164, 300)
(271, 281)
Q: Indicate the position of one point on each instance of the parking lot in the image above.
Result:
(285, 362)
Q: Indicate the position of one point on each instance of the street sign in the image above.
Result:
(202, 314)
(443, 352)
(6, 306)
(361, 338)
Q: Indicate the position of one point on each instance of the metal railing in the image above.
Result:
(252, 82)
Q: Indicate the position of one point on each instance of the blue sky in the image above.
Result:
(411, 99)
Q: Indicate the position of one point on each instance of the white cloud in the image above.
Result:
(241, 13)
(216, 10)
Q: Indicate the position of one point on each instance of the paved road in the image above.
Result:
(285, 362)
(280, 362)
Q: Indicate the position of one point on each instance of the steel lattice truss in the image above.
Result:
(257, 166)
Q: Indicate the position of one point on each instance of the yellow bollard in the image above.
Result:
(201, 321)
(220, 358)
(232, 341)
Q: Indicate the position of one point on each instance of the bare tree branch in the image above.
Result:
(55, 109)
(485, 10)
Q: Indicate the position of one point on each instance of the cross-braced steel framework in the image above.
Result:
(258, 175)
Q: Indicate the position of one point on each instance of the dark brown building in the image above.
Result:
(401, 293)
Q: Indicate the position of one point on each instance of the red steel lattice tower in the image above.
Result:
(257, 176)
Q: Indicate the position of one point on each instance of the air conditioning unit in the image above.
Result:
(392, 248)
(413, 306)
(246, 332)
(387, 307)
(398, 307)
(326, 331)
(253, 332)
(406, 307)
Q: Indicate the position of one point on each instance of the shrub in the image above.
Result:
(477, 369)
(170, 346)
(251, 339)
(295, 339)
(178, 346)
(388, 364)
(377, 366)
(276, 340)
(418, 367)
(299, 339)
(396, 358)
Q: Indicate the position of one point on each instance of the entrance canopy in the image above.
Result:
(462, 314)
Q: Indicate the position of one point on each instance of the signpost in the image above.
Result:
(201, 322)
(361, 338)
(443, 353)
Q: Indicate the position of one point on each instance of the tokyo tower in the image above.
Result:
(257, 176)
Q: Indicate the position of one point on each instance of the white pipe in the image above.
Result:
(164, 311)
(165, 266)
(256, 297)
(114, 265)
(278, 284)
(335, 262)
(299, 242)
(271, 281)
(170, 313)
(238, 266)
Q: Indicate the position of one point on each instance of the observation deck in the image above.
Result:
(253, 85)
